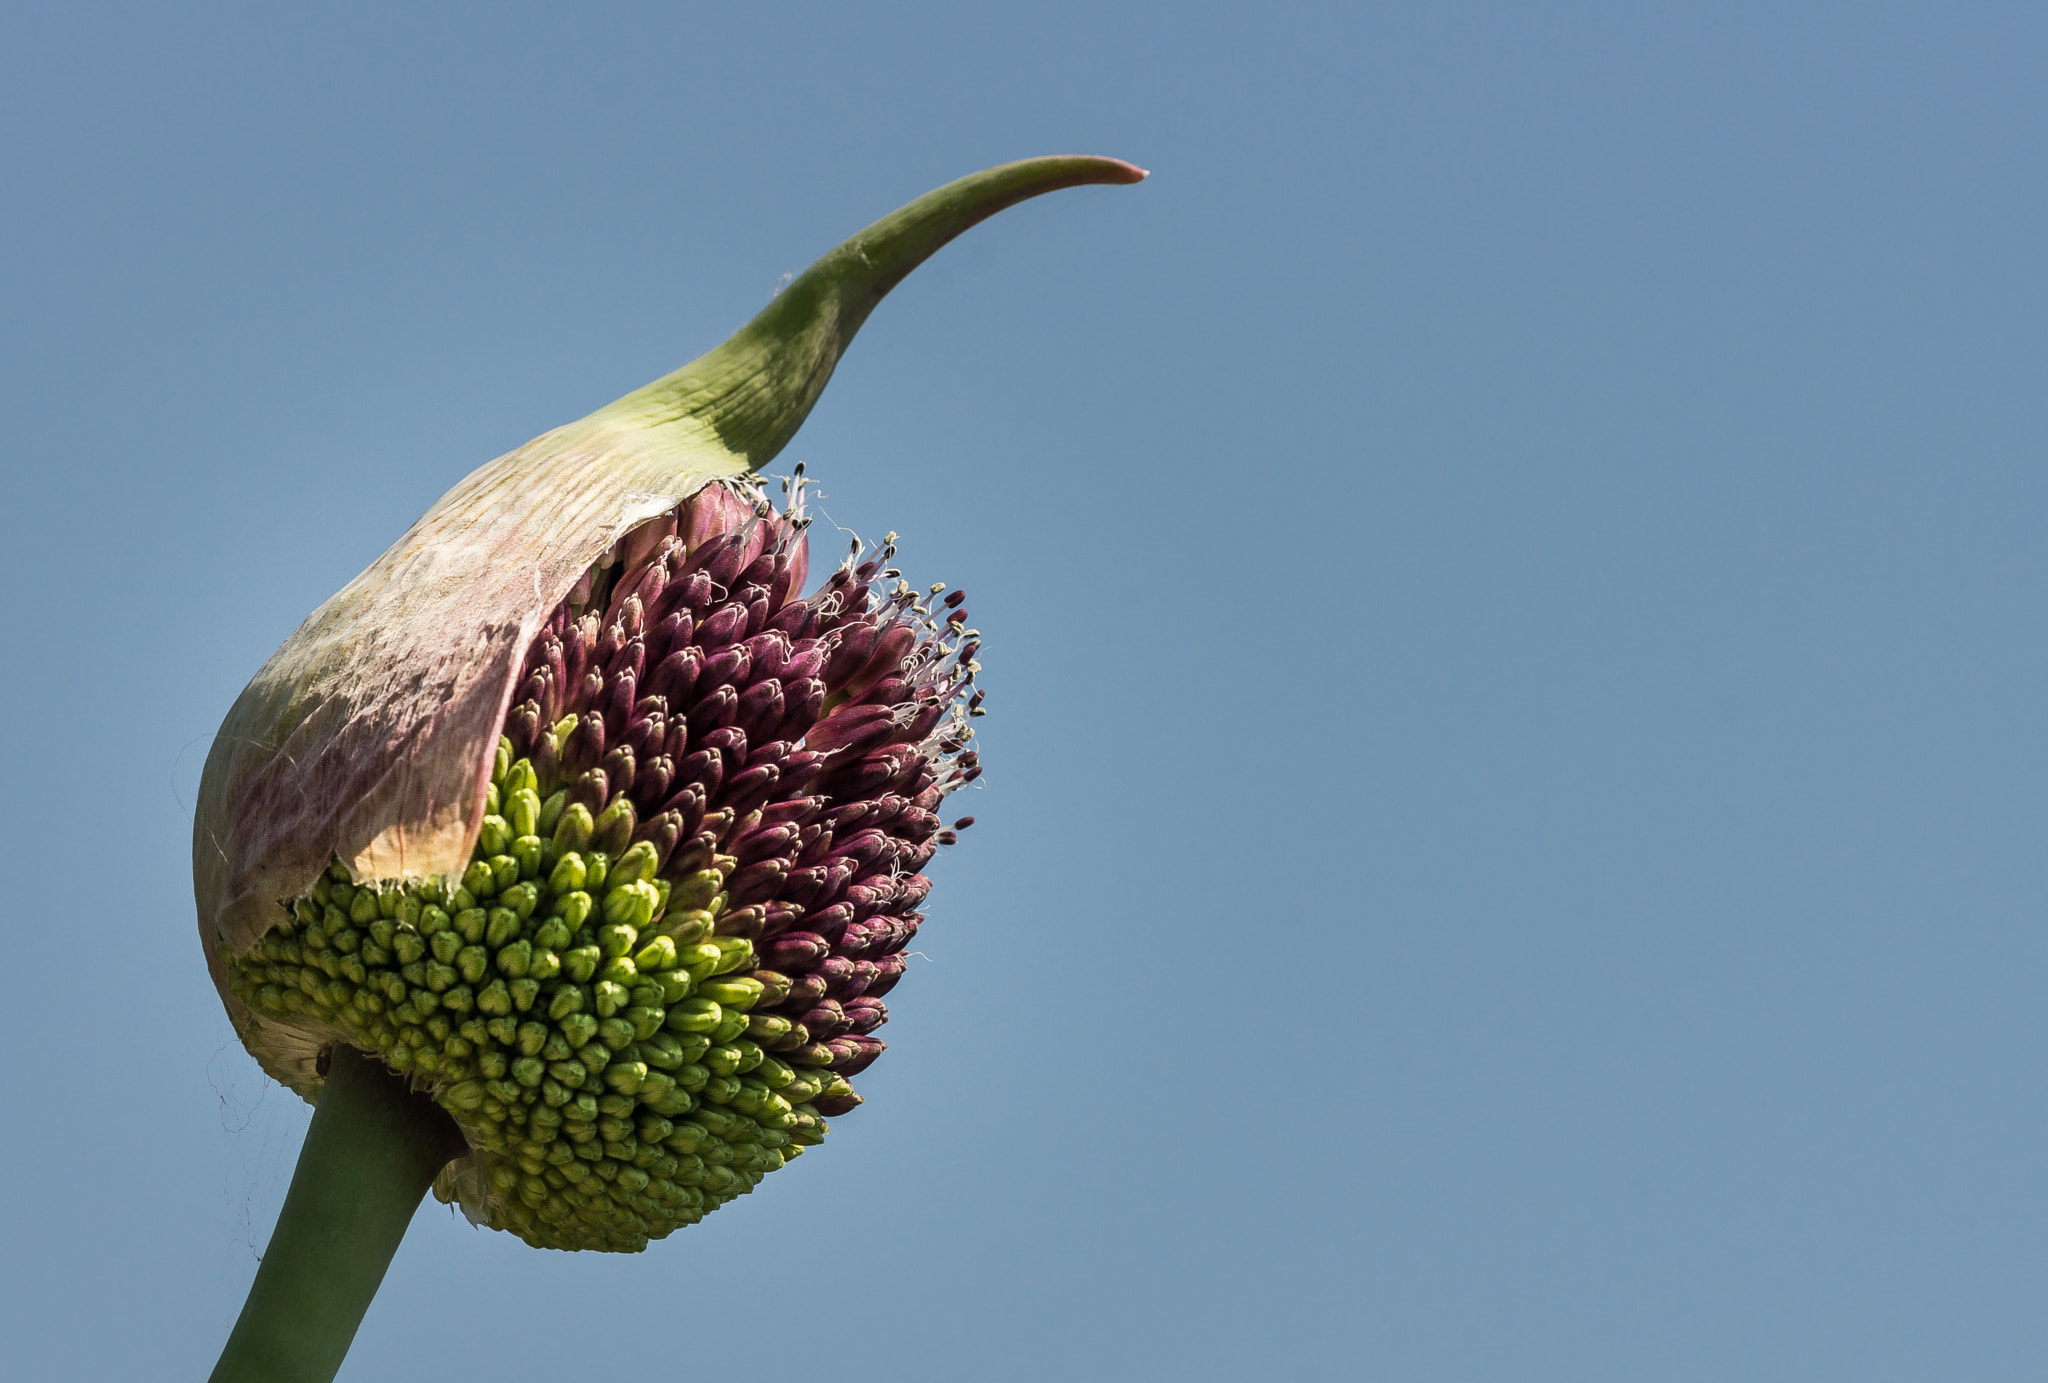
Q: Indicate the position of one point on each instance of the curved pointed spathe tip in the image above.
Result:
(751, 393)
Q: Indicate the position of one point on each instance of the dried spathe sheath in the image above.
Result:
(574, 810)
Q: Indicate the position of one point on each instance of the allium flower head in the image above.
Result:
(576, 811)
(697, 870)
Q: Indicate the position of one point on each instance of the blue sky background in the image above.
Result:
(1514, 587)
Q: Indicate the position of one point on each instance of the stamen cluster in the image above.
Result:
(695, 879)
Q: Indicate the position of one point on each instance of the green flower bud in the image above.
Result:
(516, 959)
(617, 939)
(579, 1028)
(735, 953)
(615, 1033)
(737, 992)
(581, 964)
(695, 1015)
(477, 880)
(551, 813)
(638, 863)
(624, 1077)
(645, 1021)
(631, 906)
(504, 872)
(568, 875)
(528, 1071)
(522, 810)
(767, 1027)
(494, 999)
(468, 1096)
(574, 909)
(610, 997)
(531, 852)
(688, 927)
(698, 890)
(501, 925)
(657, 955)
(495, 837)
(572, 832)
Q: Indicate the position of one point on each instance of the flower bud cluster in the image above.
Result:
(697, 870)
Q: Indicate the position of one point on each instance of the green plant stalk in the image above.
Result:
(370, 1154)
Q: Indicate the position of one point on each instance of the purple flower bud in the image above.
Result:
(824, 918)
(721, 626)
(802, 701)
(864, 849)
(663, 831)
(706, 768)
(746, 921)
(826, 1020)
(672, 633)
(888, 970)
(806, 661)
(855, 1054)
(757, 882)
(798, 950)
(865, 1014)
(619, 768)
(766, 840)
(851, 730)
(761, 707)
(780, 915)
(855, 643)
(585, 745)
(714, 709)
(768, 653)
(676, 676)
(592, 789)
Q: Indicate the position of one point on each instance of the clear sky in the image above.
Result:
(1513, 585)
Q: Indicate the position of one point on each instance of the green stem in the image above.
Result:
(370, 1154)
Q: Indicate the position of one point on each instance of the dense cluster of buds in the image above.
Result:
(697, 872)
